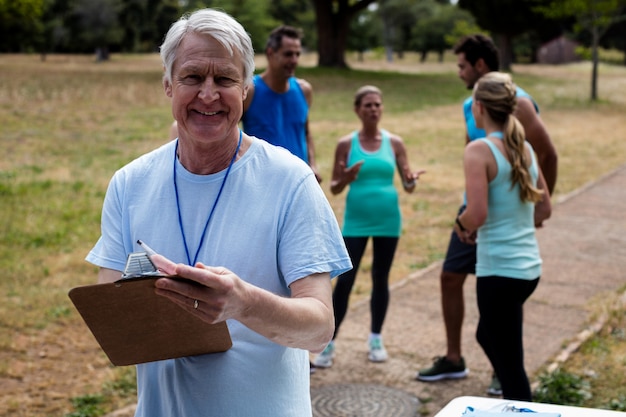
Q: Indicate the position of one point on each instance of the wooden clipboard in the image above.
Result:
(134, 325)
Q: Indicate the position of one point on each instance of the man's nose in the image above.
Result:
(208, 90)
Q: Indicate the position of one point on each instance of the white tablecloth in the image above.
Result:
(457, 406)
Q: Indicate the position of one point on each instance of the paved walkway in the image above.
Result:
(584, 250)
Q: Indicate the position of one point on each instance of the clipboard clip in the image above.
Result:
(139, 265)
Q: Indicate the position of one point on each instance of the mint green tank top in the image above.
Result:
(507, 245)
(372, 207)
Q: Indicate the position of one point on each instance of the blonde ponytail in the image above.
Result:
(514, 144)
(498, 94)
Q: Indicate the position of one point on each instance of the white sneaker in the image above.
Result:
(377, 353)
(325, 359)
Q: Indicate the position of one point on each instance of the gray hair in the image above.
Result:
(216, 24)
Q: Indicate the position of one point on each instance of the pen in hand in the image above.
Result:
(163, 264)
(146, 248)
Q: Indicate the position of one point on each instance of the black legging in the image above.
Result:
(383, 253)
(500, 330)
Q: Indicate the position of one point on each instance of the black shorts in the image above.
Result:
(460, 257)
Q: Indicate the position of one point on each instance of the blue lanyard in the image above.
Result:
(219, 193)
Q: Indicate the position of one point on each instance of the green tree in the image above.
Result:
(595, 16)
(365, 32)
(20, 24)
(615, 37)
(252, 14)
(439, 28)
(99, 25)
(399, 17)
(54, 34)
(145, 23)
(297, 13)
(505, 19)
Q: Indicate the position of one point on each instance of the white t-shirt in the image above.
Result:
(272, 226)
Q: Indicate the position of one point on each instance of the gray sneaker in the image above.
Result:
(325, 359)
(443, 369)
(494, 388)
(377, 351)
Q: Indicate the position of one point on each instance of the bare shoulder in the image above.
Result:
(525, 108)
(477, 148)
(305, 85)
(396, 142)
(395, 139)
(345, 140)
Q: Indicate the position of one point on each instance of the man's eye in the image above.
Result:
(191, 79)
(224, 80)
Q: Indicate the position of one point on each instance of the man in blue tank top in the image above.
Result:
(476, 56)
(277, 106)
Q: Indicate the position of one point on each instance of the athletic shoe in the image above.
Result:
(325, 359)
(494, 388)
(377, 353)
(443, 369)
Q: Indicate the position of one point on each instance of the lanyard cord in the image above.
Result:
(219, 193)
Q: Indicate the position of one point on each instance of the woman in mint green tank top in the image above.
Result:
(506, 198)
(366, 161)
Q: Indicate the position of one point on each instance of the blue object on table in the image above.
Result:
(505, 411)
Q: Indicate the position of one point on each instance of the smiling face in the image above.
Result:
(207, 90)
(284, 60)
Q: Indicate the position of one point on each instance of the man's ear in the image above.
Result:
(167, 86)
(481, 67)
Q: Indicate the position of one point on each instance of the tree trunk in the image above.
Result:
(332, 31)
(332, 19)
(504, 43)
(594, 58)
(388, 39)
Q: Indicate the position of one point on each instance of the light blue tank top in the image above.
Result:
(507, 245)
(372, 207)
(475, 133)
(279, 118)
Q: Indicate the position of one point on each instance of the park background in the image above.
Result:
(70, 120)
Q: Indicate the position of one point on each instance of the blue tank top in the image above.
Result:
(279, 118)
(475, 133)
(372, 207)
(507, 245)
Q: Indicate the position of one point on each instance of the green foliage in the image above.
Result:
(589, 14)
(461, 28)
(438, 30)
(618, 404)
(560, 387)
(253, 15)
(87, 406)
(20, 23)
(124, 383)
(298, 13)
(365, 32)
(510, 17)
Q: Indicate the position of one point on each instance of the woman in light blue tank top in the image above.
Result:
(366, 161)
(506, 198)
